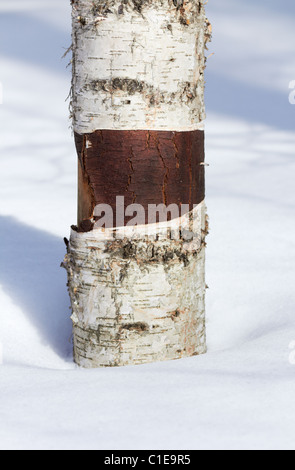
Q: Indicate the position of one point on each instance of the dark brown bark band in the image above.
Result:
(146, 167)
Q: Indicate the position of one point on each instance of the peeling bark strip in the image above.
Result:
(147, 167)
(138, 112)
(138, 64)
(137, 301)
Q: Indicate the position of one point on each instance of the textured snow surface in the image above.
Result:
(240, 395)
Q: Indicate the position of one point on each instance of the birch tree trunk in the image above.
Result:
(138, 117)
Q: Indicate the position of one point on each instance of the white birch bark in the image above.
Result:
(138, 299)
(138, 65)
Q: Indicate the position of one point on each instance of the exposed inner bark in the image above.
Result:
(146, 167)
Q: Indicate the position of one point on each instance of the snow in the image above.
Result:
(241, 394)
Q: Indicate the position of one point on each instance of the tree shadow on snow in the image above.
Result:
(43, 44)
(248, 102)
(33, 40)
(30, 274)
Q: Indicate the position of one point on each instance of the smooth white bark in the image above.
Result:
(138, 300)
(138, 70)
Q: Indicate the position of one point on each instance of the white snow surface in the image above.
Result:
(241, 394)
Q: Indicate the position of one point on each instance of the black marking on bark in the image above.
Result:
(176, 314)
(123, 273)
(106, 7)
(184, 257)
(168, 256)
(165, 253)
(98, 335)
(139, 327)
(187, 92)
(101, 7)
(139, 4)
(82, 21)
(129, 251)
(116, 84)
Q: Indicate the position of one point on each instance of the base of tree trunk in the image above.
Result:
(138, 299)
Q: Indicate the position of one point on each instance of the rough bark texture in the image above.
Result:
(137, 300)
(147, 167)
(138, 112)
